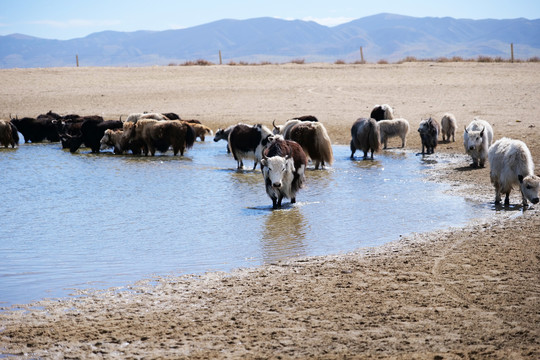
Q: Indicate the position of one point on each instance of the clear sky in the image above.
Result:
(68, 19)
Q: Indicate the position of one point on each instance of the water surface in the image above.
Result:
(72, 221)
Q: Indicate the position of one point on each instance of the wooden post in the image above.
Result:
(512, 52)
(220, 62)
(361, 55)
(77, 59)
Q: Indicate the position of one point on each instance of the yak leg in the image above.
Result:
(293, 200)
(525, 203)
(353, 150)
(507, 199)
(239, 164)
(255, 164)
(497, 194)
(275, 202)
(152, 149)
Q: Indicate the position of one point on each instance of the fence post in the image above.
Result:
(77, 59)
(512, 52)
(220, 62)
(361, 55)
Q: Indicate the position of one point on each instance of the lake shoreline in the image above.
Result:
(470, 292)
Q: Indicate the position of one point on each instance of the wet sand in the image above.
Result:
(471, 292)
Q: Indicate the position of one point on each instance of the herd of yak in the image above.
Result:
(283, 152)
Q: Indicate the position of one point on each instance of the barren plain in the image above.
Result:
(458, 293)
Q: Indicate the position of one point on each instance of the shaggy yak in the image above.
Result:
(365, 136)
(394, 128)
(477, 139)
(313, 138)
(160, 135)
(283, 167)
(8, 134)
(448, 127)
(247, 141)
(511, 164)
(429, 134)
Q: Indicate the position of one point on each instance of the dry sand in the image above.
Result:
(470, 292)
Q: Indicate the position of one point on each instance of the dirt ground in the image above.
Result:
(458, 293)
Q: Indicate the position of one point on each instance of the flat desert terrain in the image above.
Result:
(458, 293)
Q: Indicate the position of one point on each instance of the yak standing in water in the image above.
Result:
(365, 136)
(313, 138)
(283, 168)
(247, 141)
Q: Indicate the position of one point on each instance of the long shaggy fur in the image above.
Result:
(365, 136)
(448, 127)
(511, 164)
(148, 116)
(246, 141)
(200, 130)
(160, 135)
(280, 155)
(314, 140)
(429, 130)
(6, 134)
(285, 129)
(393, 128)
(477, 139)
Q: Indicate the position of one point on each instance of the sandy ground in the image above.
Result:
(470, 292)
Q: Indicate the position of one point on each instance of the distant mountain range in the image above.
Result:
(383, 37)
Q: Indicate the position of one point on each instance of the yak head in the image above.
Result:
(474, 138)
(277, 170)
(426, 127)
(530, 187)
(107, 139)
(220, 135)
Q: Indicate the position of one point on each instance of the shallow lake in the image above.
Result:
(74, 221)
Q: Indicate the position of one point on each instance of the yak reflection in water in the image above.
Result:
(284, 234)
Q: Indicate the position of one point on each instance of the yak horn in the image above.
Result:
(274, 124)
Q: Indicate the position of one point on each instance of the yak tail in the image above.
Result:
(324, 145)
(190, 136)
(14, 133)
(374, 136)
(208, 130)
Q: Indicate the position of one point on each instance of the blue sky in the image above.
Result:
(67, 19)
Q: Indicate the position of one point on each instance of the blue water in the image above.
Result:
(75, 221)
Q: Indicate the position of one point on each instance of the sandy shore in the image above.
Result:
(470, 292)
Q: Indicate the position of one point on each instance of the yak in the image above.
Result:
(511, 164)
(283, 168)
(365, 136)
